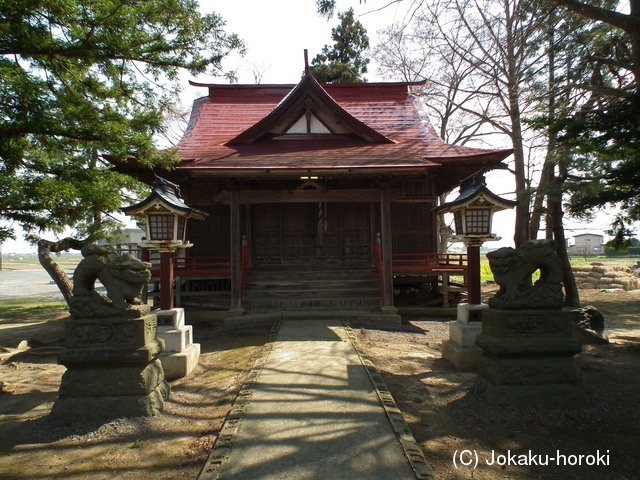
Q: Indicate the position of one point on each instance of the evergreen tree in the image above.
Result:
(344, 62)
(80, 80)
(604, 134)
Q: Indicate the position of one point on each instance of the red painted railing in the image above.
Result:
(402, 263)
(190, 266)
(202, 265)
(408, 263)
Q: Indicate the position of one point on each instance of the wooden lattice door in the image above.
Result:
(311, 234)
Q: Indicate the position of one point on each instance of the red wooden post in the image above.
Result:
(236, 248)
(473, 274)
(387, 250)
(166, 280)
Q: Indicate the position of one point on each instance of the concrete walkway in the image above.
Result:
(315, 412)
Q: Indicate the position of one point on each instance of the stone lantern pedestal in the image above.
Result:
(113, 369)
(528, 358)
(461, 348)
(181, 355)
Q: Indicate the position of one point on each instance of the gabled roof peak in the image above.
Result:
(308, 99)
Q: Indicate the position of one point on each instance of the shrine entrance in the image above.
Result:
(318, 233)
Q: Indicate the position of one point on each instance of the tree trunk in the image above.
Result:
(514, 77)
(572, 296)
(539, 209)
(57, 274)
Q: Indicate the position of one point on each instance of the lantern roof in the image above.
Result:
(474, 192)
(165, 194)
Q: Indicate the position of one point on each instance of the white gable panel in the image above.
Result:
(300, 127)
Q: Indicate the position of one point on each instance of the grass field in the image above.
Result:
(20, 310)
(24, 262)
(487, 276)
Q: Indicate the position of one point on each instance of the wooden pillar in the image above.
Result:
(236, 249)
(473, 274)
(387, 251)
(166, 280)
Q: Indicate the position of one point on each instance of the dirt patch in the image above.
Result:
(448, 415)
(444, 407)
(173, 445)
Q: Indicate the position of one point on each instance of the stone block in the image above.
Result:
(171, 319)
(532, 370)
(112, 406)
(532, 345)
(464, 358)
(94, 357)
(94, 382)
(470, 313)
(178, 365)
(527, 323)
(177, 340)
(464, 334)
(528, 358)
(112, 332)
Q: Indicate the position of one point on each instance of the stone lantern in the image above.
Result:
(473, 213)
(166, 216)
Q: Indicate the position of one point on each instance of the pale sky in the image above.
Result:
(276, 33)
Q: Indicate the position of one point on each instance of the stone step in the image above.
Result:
(301, 303)
(290, 288)
(326, 286)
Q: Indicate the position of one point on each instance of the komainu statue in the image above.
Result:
(123, 276)
(512, 270)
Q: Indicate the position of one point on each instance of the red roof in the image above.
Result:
(240, 128)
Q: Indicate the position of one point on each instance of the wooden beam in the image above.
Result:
(308, 196)
(422, 199)
(387, 250)
(236, 250)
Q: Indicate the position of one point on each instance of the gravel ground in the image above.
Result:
(28, 283)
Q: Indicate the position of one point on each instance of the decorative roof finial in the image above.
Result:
(306, 62)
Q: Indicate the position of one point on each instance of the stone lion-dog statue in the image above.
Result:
(512, 270)
(123, 276)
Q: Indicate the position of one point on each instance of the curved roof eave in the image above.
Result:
(381, 169)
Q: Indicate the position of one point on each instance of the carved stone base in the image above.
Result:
(528, 358)
(111, 341)
(112, 406)
(113, 369)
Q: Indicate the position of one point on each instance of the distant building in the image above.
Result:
(587, 244)
(129, 241)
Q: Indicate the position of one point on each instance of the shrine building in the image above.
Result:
(318, 196)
